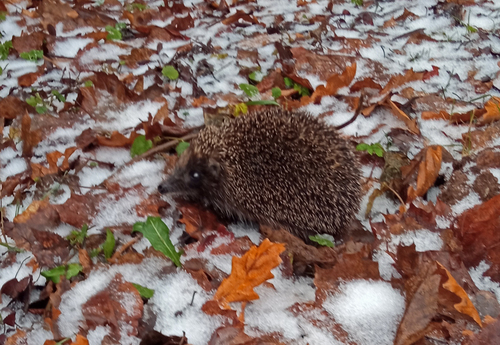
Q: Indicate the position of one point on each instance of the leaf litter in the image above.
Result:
(86, 86)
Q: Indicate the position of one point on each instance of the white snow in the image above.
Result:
(369, 310)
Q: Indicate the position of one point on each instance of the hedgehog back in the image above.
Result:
(284, 169)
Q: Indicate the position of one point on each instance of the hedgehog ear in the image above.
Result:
(214, 167)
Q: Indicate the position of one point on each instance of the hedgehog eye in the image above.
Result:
(194, 175)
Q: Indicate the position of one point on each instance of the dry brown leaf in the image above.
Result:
(492, 108)
(30, 138)
(465, 306)
(249, 271)
(116, 139)
(333, 84)
(17, 338)
(31, 210)
(411, 124)
(428, 172)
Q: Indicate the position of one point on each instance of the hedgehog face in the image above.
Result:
(194, 178)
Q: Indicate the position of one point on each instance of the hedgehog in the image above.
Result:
(278, 168)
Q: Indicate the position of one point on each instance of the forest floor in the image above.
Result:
(95, 97)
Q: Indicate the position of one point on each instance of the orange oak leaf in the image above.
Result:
(492, 108)
(428, 172)
(333, 84)
(80, 340)
(400, 80)
(31, 210)
(249, 271)
(39, 170)
(465, 306)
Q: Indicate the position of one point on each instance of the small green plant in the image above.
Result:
(115, 33)
(357, 2)
(135, 6)
(158, 234)
(11, 249)
(323, 240)
(170, 72)
(38, 103)
(181, 147)
(70, 271)
(33, 55)
(78, 237)
(470, 29)
(3, 16)
(303, 91)
(88, 83)
(249, 90)
(256, 76)
(144, 291)
(5, 49)
(58, 95)
(240, 108)
(109, 244)
(140, 146)
(276, 92)
(371, 149)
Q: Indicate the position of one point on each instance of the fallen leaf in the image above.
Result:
(492, 108)
(30, 138)
(428, 171)
(249, 271)
(333, 84)
(411, 124)
(465, 306)
(116, 139)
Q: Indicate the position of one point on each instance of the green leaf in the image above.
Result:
(41, 109)
(33, 55)
(113, 33)
(323, 240)
(158, 234)
(5, 49)
(109, 244)
(77, 237)
(60, 97)
(94, 252)
(120, 26)
(1, 70)
(378, 150)
(371, 149)
(288, 82)
(69, 271)
(88, 83)
(362, 147)
(32, 101)
(140, 146)
(256, 76)
(139, 7)
(3, 16)
(170, 72)
(303, 91)
(250, 90)
(240, 108)
(262, 102)
(144, 291)
(181, 147)
(276, 92)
